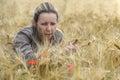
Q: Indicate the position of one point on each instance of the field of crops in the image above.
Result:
(96, 25)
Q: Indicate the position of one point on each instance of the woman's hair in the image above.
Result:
(44, 7)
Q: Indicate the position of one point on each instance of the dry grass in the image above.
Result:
(96, 24)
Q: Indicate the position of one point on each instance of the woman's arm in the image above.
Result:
(22, 46)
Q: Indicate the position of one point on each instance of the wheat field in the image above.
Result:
(96, 25)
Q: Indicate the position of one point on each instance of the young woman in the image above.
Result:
(44, 28)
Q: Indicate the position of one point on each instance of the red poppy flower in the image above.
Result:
(33, 62)
(71, 67)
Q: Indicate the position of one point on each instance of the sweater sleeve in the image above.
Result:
(22, 45)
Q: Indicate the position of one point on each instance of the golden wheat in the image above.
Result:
(96, 24)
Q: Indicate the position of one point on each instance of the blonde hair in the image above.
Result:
(44, 7)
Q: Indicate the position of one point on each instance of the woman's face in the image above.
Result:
(46, 24)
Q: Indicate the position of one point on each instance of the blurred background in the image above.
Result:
(95, 23)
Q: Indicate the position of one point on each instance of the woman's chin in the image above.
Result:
(48, 36)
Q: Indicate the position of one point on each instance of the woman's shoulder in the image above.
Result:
(58, 31)
(27, 30)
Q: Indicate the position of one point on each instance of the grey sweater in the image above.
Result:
(26, 41)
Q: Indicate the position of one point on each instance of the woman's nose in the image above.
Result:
(49, 27)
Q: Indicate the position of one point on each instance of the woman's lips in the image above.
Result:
(49, 34)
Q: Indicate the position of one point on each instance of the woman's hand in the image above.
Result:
(31, 60)
(72, 46)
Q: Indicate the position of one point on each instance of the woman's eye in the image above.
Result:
(44, 24)
(53, 23)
